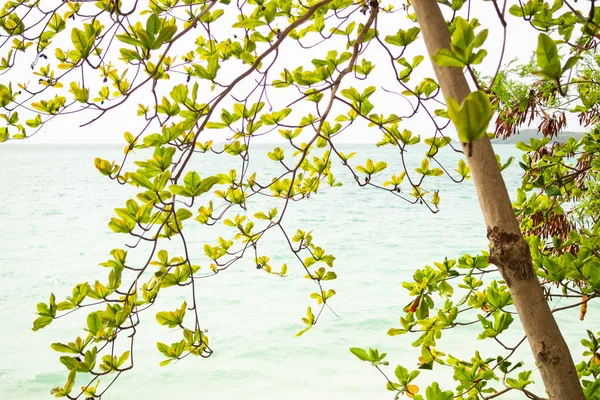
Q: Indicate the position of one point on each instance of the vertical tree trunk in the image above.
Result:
(508, 250)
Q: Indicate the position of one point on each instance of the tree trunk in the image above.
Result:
(508, 250)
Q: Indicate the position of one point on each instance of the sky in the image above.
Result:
(521, 43)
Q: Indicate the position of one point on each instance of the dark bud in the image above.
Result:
(105, 79)
(258, 266)
(78, 359)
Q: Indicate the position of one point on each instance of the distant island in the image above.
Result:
(525, 134)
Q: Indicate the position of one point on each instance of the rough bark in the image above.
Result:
(508, 250)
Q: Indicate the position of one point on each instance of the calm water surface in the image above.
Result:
(54, 232)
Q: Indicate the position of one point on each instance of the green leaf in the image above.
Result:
(446, 58)
(553, 191)
(153, 25)
(207, 184)
(192, 181)
(183, 214)
(248, 23)
(168, 318)
(172, 318)
(179, 93)
(141, 180)
(472, 117)
(403, 38)
(63, 348)
(547, 57)
(41, 322)
(129, 40)
(4, 134)
(13, 25)
(69, 362)
(124, 357)
(94, 322)
(165, 35)
(433, 392)
(165, 350)
(402, 374)
(463, 34)
(82, 42)
(360, 353)
(571, 62)
(179, 191)
(351, 94)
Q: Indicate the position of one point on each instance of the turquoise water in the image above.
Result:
(53, 219)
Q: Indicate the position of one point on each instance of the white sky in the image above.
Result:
(522, 40)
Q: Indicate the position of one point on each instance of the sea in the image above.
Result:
(53, 234)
